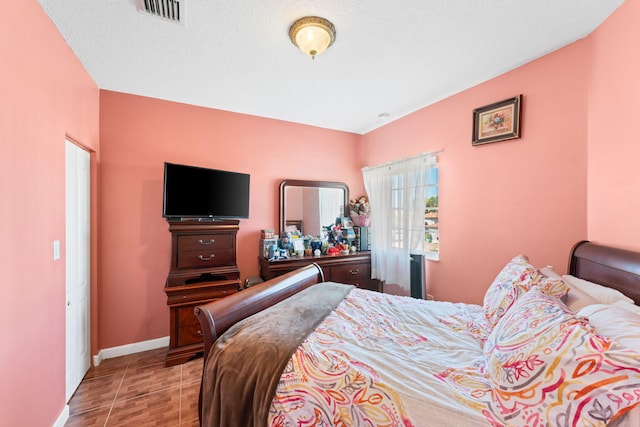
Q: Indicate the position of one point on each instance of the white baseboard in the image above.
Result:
(62, 418)
(123, 350)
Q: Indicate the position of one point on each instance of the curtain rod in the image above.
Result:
(393, 162)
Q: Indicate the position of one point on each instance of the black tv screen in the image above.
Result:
(195, 192)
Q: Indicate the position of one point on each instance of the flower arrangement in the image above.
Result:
(496, 120)
(359, 211)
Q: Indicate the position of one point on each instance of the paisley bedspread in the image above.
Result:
(376, 361)
(383, 360)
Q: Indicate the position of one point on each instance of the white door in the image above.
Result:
(78, 348)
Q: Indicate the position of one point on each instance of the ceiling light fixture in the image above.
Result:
(312, 34)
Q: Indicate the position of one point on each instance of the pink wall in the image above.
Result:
(498, 200)
(45, 94)
(614, 146)
(569, 177)
(138, 135)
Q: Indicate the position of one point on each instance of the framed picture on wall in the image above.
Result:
(497, 122)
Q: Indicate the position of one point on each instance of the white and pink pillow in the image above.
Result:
(548, 367)
(513, 281)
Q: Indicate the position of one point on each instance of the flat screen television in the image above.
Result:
(196, 192)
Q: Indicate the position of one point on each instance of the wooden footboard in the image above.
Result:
(218, 316)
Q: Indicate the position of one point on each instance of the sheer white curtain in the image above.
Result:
(397, 198)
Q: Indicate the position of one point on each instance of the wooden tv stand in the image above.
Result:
(203, 268)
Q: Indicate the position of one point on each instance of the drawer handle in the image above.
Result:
(199, 332)
(205, 258)
(202, 242)
(354, 272)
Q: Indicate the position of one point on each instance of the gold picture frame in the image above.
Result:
(499, 121)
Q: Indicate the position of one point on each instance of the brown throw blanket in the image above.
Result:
(246, 362)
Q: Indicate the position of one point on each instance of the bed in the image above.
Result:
(543, 349)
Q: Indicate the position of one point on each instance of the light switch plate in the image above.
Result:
(56, 250)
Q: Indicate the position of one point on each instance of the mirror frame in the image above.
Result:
(316, 184)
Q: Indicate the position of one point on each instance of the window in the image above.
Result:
(402, 214)
(403, 197)
(431, 233)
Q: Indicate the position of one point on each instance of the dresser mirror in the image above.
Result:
(310, 205)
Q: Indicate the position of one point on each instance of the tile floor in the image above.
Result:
(138, 390)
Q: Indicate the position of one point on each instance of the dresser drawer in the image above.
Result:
(353, 274)
(186, 316)
(205, 242)
(189, 294)
(187, 335)
(350, 272)
(203, 258)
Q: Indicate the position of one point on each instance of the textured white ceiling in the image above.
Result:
(389, 56)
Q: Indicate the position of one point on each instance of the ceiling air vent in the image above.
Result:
(171, 10)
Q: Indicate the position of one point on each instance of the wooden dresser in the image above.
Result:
(354, 268)
(203, 268)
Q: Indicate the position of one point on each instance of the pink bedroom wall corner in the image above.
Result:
(46, 94)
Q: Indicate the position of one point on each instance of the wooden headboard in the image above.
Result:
(612, 267)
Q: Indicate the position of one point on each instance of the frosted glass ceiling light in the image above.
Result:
(312, 34)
